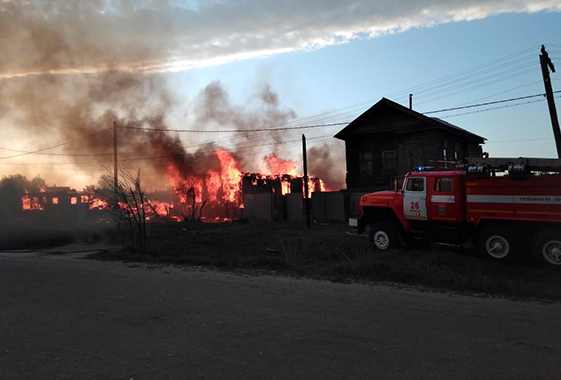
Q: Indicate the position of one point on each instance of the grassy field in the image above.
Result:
(326, 251)
(331, 252)
(20, 238)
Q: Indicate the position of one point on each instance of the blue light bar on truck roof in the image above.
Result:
(424, 169)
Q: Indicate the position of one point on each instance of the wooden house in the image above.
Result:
(389, 140)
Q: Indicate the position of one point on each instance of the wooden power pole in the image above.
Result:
(306, 198)
(546, 64)
(115, 163)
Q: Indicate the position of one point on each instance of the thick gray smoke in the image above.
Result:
(215, 111)
(326, 165)
(69, 69)
(50, 108)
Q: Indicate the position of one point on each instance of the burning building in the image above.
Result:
(225, 193)
(221, 192)
(60, 205)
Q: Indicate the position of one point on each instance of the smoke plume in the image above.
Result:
(70, 69)
(323, 163)
(82, 109)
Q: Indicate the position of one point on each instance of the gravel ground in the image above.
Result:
(63, 317)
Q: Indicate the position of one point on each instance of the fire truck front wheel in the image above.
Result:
(546, 248)
(499, 242)
(383, 235)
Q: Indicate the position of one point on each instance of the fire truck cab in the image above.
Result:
(506, 207)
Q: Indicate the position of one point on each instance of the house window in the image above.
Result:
(390, 161)
(365, 163)
(55, 200)
(443, 185)
(414, 158)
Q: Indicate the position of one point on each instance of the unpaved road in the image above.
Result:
(62, 317)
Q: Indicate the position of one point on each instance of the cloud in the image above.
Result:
(74, 36)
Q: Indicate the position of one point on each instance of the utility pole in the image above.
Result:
(115, 163)
(306, 199)
(546, 64)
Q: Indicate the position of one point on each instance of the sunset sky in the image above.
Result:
(68, 68)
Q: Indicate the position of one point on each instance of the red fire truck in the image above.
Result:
(506, 207)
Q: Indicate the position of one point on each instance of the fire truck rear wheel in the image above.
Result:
(546, 248)
(383, 235)
(499, 242)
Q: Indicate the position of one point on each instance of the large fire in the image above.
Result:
(231, 177)
(274, 165)
(212, 191)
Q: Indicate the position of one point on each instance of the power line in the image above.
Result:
(495, 108)
(500, 93)
(57, 154)
(489, 75)
(297, 142)
(330, 115)
(461, 88)
(235, 130)
(54, 146)
(511, 141)
(181, 154)
(181, 151)
(497, 64)
(487, 104)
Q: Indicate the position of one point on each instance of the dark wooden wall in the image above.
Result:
(410, 150)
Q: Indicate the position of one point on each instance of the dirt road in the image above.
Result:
(62, 317)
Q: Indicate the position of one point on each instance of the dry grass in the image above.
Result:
(18, 238)
(327, 251)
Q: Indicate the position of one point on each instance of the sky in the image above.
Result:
(68, 69)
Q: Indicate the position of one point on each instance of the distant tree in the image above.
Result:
(105, 182)
(12, 188)
(128, 205)
(36, 184)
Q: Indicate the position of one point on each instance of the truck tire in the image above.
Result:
(546, 248)
(383, 235)
(499, 242)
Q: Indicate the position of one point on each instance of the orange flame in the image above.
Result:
(213, 185)
(231, 176)
(31, 202)
(275, 165)
(98, 204)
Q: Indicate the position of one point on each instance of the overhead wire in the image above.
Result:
(488, 103)
(234, 130)
(474, 85)
(333, 117)
(500, 93)
(469, 73)
(496, 108)
(54, 146)
(163, 156)
(182, 152)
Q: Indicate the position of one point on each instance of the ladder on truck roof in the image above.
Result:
(520, 165)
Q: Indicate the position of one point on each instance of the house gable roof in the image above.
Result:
(364, 124)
